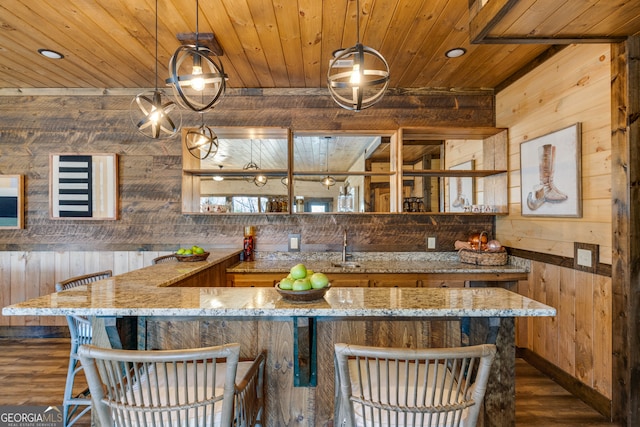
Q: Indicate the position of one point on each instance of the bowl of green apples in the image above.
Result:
(303, 285)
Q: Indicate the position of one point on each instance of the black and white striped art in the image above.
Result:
(83, 186)
(11, 202)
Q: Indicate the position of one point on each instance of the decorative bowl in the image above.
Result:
(193, 257)
(302, 296)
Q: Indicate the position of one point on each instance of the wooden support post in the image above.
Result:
(625, 194)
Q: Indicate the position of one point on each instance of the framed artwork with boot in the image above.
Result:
(550, 174)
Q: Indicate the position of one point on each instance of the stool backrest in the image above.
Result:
(378, 386)
(79, 326)
(72, 282)
(164, 258)
(192, 387)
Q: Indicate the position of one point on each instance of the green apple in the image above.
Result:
(180, 251)
(286, 283)
(319, 280)
(310, 272)
(187, 252)
(301, 285)
(298, 271)
(198, 250)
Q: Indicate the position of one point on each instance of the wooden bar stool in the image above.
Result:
(74, 407)
(190, 387)
(395, 387)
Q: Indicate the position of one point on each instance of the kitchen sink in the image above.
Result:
(346, 264)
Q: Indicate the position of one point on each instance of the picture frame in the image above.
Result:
(83, 186)
(550, 174)
(461, 189)
(11, 201)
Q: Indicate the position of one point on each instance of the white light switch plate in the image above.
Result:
(431, 242)
(584, 258)
(294, 242)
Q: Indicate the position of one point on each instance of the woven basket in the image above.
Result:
(482, 257)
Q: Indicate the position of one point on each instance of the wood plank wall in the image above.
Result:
(150, 219)
(573, 86)
(578, 338)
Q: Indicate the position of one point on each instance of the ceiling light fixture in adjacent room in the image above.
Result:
(202, 86)
(366, 77)
(150, 115)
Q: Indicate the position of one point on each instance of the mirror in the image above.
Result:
(247, 174)
(421, 170)
(454, 170)
(341, 173)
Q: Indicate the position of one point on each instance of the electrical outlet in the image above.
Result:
(431, 242)
(584, 258)
(294, 242)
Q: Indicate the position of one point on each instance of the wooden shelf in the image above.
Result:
(236, 172)
(342, 173)
(452, 173)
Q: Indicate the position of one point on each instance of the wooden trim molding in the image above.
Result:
(574, 386)
(34, 332)
(557, 260)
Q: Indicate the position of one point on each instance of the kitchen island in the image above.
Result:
(298, 337)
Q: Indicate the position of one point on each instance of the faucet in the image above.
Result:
(344, 245)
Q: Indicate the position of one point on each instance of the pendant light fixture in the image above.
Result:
(149, 114)
(202, 86)
(258, 179)
(201, 142)
(328, 181)
(366, 77)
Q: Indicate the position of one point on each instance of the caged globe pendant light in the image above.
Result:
(201, 142)
(152, 117)
(366, 77)
(202, 87)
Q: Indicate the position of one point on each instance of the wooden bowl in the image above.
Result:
(192, 258)
(302, 296)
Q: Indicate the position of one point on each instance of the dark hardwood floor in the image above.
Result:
(33, 372)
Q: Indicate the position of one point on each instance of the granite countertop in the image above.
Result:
(148, 292)
(373, 262)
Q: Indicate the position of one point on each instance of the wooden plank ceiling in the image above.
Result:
(288, 43)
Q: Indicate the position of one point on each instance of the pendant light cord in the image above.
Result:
(197, 13)
(156, 45)
(358, 21)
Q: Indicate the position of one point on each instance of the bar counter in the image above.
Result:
(299, 337)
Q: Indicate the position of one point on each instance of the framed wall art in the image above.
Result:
(550, 174)
(83, 186)
(461, 191)
(11, 201)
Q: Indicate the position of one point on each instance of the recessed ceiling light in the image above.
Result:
(51, 54)
(456, 52)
